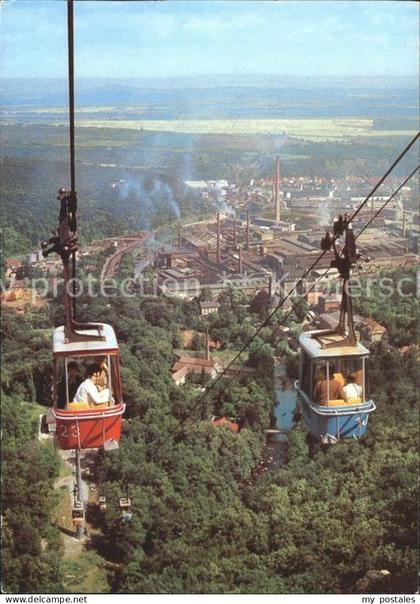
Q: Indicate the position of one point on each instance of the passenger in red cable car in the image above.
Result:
(88, 392)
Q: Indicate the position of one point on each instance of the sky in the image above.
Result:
(197, 37)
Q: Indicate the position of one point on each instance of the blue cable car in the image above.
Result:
(326, 378)
(332, 385)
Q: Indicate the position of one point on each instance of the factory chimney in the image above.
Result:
(270, 286)
(241, 261)
(234, 232)
(179, 235)
(403, 223)
(218, 257)
(276, 190)
(248, 234)
(155, 285)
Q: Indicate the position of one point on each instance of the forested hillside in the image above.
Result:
(200, 524)
(31, 545)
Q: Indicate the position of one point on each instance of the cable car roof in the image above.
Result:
(312, 346)
(107, 345)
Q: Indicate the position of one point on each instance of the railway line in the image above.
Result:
(111, 264)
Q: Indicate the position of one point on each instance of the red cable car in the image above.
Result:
(84, 425)
(87, 395)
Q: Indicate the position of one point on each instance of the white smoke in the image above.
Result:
(325, 213)
(153, 195)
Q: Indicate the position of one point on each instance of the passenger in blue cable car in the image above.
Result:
(352, 390)
(323, 387)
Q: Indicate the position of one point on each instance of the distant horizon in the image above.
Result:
(221, 75)
(234, 77)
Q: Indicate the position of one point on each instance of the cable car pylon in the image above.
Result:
(78, 509)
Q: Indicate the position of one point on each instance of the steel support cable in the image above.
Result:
(324, 274)
(299, 302)
(310, 269)
(387, 173)
(305, 274)
(387, 201)
(70, 54)
(283, 320)
(245, 346)
(313, 286)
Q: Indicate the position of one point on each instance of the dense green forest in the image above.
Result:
(394, 303)
(200, 523)
(31, 550)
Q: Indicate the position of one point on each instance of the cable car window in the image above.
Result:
(306, 374)
(366, 386)
(350, 374)
(345, 368)
(85, 381)
(338, 379)
(319, 391)
(115, 379)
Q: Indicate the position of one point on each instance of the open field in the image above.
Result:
(309, 129)
(316, 129)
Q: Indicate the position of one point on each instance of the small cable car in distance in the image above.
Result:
(77, 513)
(125, 507)
(332, 384)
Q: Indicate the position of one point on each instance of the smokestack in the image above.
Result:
(403, 223)
(179, 235)
(270, 286)
(241, 261)
(207, 346)
(276, 190)
(218, 258)
(248, 236)
(234, 232)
